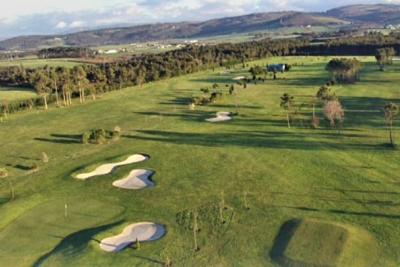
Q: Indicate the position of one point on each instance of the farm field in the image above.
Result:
(341, 188)
(33, 62)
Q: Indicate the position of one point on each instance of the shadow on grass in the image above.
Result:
(281, 241)
(346, 212)
(62, 139)
(75, 243)
(275, 139)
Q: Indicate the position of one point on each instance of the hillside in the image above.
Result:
(362, 15)
(152, 32)
(374, 14)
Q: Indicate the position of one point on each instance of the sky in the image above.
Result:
(22, 17)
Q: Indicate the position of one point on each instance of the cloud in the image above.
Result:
(77, 24)
(61, 25)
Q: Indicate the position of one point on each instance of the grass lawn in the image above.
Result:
(16, 93)
(35, 62)
(263, 172)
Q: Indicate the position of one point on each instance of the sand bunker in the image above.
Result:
(144, 231)
(221, 116)
(137, 179)
(239, 78)
(109, 167)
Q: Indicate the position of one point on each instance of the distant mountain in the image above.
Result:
(374, 14)
(359, 14)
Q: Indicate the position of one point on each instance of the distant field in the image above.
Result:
(35, 62)
(15, 93)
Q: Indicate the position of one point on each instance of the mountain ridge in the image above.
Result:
(372, 15)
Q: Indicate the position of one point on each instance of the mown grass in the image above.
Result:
(16, 93)
(348, 177)
(318, 243)
(36, 62)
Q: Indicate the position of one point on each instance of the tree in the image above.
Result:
(334, 112)
(65, 81)
(53, 76)
(257, 70)
(80, 81)
(41, 84)
(344, 70)
(286, 104)
(391, 111)
(325, 94)
(384, 56)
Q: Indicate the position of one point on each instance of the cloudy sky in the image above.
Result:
(21, 17)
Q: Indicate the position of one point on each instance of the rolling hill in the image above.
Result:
(359, 14)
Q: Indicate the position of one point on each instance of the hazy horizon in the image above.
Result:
(24, 17)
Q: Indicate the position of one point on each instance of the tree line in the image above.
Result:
(62, 84)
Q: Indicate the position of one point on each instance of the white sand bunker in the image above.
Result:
(221, 116)
(109, 167)
(239, 78)
(137, 179)
(144, 231)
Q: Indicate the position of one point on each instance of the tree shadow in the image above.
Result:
(188, 116)
(272, 139)
(346, 212)
(23, 167)
(360, 191)
(75, 243)
(282, 240)
(62, 139)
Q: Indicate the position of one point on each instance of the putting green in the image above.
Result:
(319, 244)
(47, 224)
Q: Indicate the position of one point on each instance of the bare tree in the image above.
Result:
(334, 112)
(391, 111)
(286, 104)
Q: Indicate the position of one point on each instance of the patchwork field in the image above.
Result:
(33, 62)
(242, 179)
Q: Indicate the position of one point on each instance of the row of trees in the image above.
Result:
(61, 84)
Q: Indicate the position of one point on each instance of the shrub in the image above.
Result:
(3, 173)
(34, 167)
(116, 133)
(344, 70)
(86, 137)
(45, 158)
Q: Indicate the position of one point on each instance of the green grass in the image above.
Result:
(36, 62)
(349, 178)
(318, 243)
(16, 93)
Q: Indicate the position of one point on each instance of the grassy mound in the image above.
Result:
(319, 244)
(48, 224)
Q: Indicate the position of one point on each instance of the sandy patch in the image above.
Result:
(221, 116)
(137, 179)
(144, 231)
(109, 167)
(239, 78)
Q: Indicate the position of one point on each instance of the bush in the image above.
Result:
(3, 173)
(45, 158)
(86, 137)
(344, 70)
(34, 167)
(116, 133)
(101, 136)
